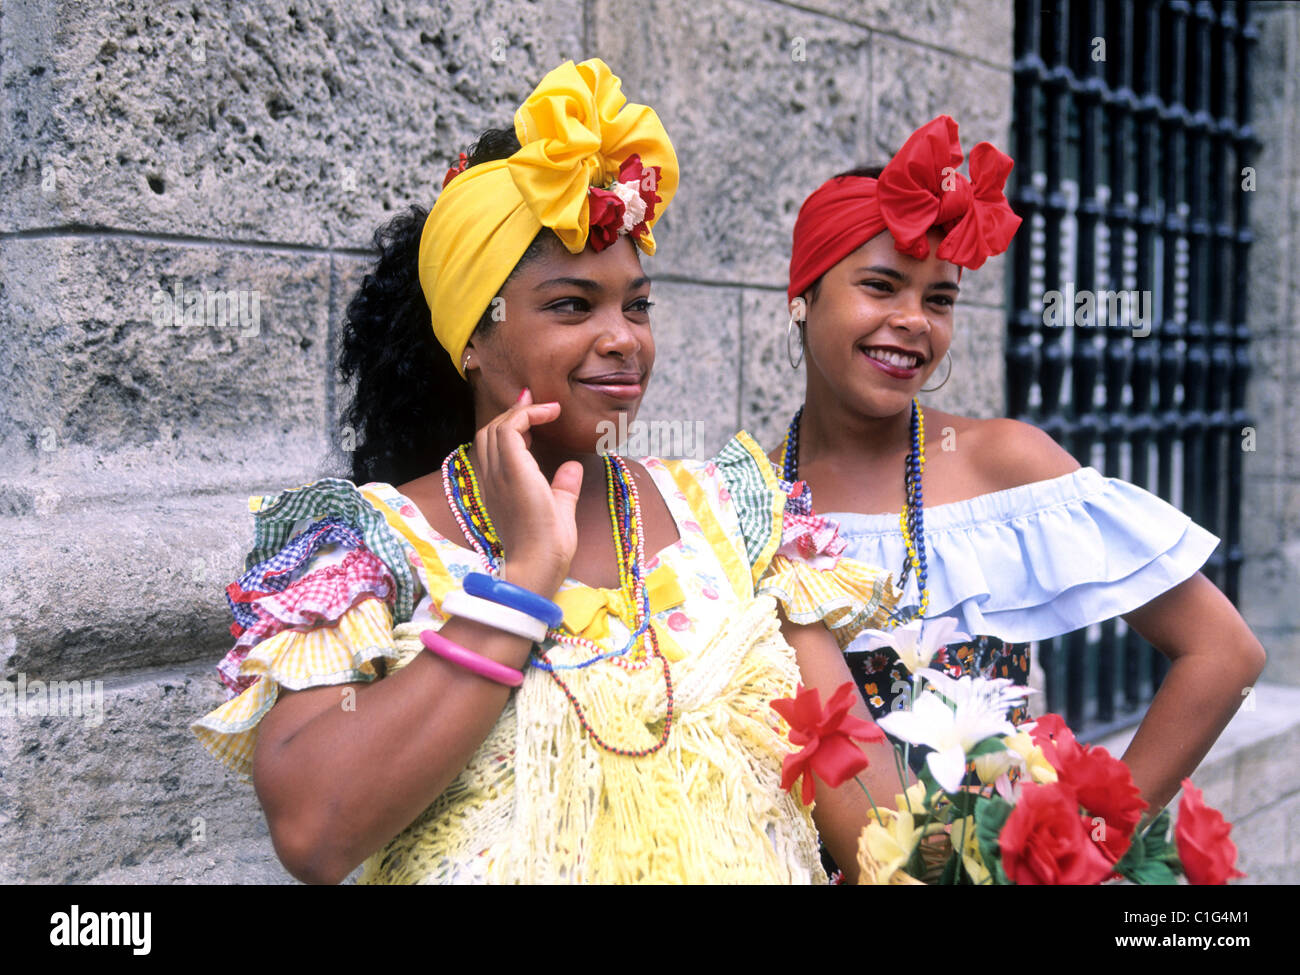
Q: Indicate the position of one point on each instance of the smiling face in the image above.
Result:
(878, 325)
(575, 330)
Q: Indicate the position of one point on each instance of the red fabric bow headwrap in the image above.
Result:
(918, 190)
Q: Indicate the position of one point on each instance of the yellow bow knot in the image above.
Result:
(575, 131)
(587, 610)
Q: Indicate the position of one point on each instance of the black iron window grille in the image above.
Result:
(1133, 149)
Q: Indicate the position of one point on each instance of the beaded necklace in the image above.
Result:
(911, 520)
(465, 499)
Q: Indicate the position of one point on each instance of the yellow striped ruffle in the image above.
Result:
(849, 598)
(342, 653)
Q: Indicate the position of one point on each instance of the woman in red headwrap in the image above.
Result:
(1011, 540)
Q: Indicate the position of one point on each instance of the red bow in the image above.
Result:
(918, 190)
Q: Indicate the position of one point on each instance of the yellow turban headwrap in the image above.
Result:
(575, 131)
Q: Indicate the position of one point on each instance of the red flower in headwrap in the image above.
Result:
(919, 190)
(645, 179)
(629, 198)
(606, 218)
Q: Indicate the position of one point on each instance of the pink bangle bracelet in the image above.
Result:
(438, 644)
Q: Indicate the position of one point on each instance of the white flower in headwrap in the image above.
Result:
(633, 204)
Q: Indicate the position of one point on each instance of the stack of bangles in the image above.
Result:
(501, 605)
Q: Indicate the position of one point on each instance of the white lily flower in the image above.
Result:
(915, 642)
(952, 716)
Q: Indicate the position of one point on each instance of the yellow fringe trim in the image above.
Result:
(540, 803)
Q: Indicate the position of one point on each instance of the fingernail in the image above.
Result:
(522, 393)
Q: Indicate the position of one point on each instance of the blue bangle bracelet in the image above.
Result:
(516, 597)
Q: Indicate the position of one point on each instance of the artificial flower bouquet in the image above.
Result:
(1046, 810)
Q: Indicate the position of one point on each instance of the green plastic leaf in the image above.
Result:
(964, 803)
(1132, 861)
(1153, 872)
(990, 816)
(951, 875)
(1152, 858)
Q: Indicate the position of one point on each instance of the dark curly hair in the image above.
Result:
(409, 407)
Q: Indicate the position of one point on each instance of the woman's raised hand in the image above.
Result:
(535, 521)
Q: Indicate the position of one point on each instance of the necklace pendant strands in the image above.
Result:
(790, 449)
(911, 519)
(465, 498)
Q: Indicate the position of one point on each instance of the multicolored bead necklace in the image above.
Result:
(911, 520)
(465, 499)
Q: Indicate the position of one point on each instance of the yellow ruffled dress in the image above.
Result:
(539, 802)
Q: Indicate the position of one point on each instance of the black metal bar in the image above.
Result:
(1146, 356)
(1174, 367)
(1154, 136)
(1029, 71)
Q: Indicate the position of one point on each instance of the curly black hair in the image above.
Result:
(409, 407)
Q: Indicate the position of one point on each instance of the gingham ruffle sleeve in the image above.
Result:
(325, 582)
(796, 555)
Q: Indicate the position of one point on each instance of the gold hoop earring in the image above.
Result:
(945, 378)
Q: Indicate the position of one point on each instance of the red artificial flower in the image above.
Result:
(827, 737)
(1103, 784)
(1044, 841)
(1207, 855)
(1054, 737)
(646, 179)
(1105, 788)
(605, 217)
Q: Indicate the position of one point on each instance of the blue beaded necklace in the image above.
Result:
(912, 518)
(462, 491)
(460, 484)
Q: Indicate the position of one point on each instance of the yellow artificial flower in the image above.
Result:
(884, 849)
(993, 765)
(1031, 757)
(912, 800)
(971, 858)
(1020, 753)
(887, 843)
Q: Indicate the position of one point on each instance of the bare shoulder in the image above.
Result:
(999, 453)
(1009, 453)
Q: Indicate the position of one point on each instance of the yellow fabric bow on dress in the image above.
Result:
(586, 610)
(575, 130)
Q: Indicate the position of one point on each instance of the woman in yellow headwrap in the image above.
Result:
(577, 663)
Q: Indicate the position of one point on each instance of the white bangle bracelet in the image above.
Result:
(460, 603)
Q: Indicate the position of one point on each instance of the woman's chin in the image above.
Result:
(595, 432)
(879, 403)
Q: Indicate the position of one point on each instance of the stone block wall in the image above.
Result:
(1271, 503)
